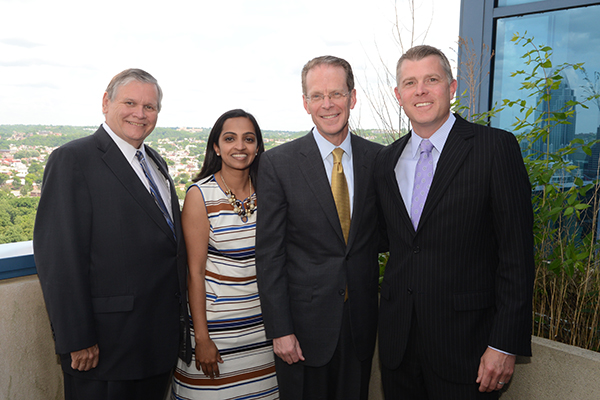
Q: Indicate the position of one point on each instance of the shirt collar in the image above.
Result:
(127, 149)
(326, 147)
(438, 139)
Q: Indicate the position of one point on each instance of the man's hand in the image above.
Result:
(495, 370)
(86, 359)
(288, 349)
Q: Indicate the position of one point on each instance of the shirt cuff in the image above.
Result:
(501, 351)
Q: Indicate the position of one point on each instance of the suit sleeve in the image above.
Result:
(513, 228)
(61, 243)
(271, 252)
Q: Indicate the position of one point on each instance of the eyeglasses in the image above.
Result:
(319, 98)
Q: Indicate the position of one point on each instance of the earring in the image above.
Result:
(218, 155)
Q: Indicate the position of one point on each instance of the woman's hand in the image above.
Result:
(207, 358)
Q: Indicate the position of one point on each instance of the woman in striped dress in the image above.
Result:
(233, 359)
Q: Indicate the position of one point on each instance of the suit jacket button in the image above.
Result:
(342, 292)
(409, 291)
(416, 249)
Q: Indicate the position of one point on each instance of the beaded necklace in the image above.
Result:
(243, 208)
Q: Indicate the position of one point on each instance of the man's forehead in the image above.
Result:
(136, 88)
(338, 72)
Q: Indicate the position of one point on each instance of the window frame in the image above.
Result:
(478, 26)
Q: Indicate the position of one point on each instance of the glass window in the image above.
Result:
(503, 3)
(573, 36)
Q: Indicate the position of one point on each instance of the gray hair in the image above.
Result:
(132, 74)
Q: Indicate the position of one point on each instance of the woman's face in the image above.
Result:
(237, 144)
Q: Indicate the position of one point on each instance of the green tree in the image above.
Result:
(3, 178)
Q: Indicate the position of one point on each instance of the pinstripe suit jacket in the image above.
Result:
(467, 271)
(303, 264)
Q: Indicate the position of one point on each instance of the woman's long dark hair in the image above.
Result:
(212, 162)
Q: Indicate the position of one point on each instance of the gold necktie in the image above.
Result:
(339, 187)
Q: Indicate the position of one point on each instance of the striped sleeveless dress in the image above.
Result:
(233, 311)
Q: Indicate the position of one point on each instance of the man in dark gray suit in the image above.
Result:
(110, 254)
(317, 262)
(457, 291)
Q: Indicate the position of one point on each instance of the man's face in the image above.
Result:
(329, 115)
(425, 94)
(133, 112)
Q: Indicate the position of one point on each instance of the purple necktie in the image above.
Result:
(423, 178)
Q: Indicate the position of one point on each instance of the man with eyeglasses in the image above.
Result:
(317, 245)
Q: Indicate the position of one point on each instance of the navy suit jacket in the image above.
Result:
(303, 263)
(111, 271)
(466, 273)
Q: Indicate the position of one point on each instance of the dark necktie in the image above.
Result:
(155, 192)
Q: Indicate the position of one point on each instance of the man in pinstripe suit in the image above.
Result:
(456, 296)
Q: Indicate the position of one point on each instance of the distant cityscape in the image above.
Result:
(24, 150)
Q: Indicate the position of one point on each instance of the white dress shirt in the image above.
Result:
(129, 152)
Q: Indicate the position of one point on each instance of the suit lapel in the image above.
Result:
(116, 162)
(456, 149)
(362, 174)
(175, 209)
(311, 165)
(392, 182)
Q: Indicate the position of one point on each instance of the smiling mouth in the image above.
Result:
(329, 116)
(239, 156)
(423, 104)
(135, 124)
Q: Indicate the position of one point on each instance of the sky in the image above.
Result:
(58, 56)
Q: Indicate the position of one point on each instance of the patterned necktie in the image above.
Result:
(423, 178)
(339, 188)
(155, 192)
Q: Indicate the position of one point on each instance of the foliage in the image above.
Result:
(16, 225)
(17, 216)
(26, 154)
(470, 74)
(566, 302)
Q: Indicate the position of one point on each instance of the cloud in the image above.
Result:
(20, 42)
(31, 62)
(208, 56)
(37, 85)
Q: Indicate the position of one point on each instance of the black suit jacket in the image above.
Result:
(467, 271)
(110, 269)
(303, 263)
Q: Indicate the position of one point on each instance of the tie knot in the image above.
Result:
(337, 154)
(139, 155)
(426, 146)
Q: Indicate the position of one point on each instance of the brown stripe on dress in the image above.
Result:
(229, 278)
(205, 381)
